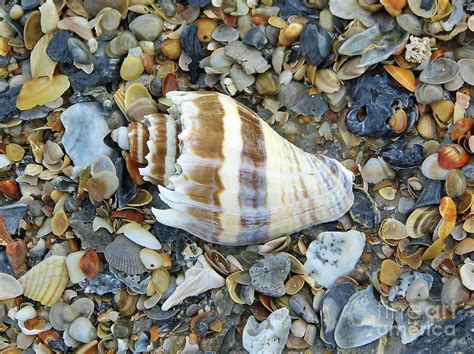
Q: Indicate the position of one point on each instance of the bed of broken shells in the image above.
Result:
(383, 86)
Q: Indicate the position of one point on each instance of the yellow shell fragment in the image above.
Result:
(59, 223)
(389, 272)
(49, 17)
(41, 63)
(46, 281)
(435, 249)
(40, 91)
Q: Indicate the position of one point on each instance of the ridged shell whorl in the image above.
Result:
(236, 181)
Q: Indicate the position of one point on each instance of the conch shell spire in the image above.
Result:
(229, 178)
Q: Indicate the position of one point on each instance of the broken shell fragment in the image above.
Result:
(432, 169)
(422, 221)
(85, 128)
(46, 281)
(76, 274)
(467, 275)
(439, 71)
(90, 263)
(136, 233)
(453, 156)
(447, 209)
(405, 77)
(82, 330)
(197, 280)
(363, 320)
(10, 288)
(389, 272)
(40, 91)
(151, 259)
(419, 290)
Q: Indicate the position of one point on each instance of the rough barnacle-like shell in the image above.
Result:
(124, 255)
(233, 188)
(46, 281)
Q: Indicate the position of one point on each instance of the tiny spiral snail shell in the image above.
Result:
(228, 177)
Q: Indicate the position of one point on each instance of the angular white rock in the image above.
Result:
(10, 287)
(136, 233)
(197, 280)
(333, 254)
(270, 336)
(84, 131)
(76, 275)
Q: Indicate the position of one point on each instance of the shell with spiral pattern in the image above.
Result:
(228, 177)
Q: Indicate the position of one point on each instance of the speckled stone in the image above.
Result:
(58, 49)
(268, 275)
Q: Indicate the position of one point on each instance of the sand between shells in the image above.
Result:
(316, 194)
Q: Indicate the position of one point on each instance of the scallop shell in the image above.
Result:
(236, 189)
(46, 281)
(124, 255)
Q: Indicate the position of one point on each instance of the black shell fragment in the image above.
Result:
(315, 43)
(398, 155)
(364, 211)
(432, 192)
(374, 96)
(296, 7)
(192, 47)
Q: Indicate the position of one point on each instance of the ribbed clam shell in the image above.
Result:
(237, 181)
(46, 281)
(124, 255)
(162, 146)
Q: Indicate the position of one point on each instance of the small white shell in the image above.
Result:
(431, 168)
(10, 288)
(76, 275)
(33, 332)
(376, 170)
(136, 233)
(82, 330)
(151, 259)
(467, 275)
(25, 313)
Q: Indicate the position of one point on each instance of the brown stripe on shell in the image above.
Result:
(155, 159)
(205, 141)
(252, 175)
(138, 137)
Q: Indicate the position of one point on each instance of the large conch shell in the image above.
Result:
(46, 281)
(228, 177)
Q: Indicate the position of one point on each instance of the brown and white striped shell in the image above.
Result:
(229, 178)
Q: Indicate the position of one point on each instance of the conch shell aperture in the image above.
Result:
(228, 177)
